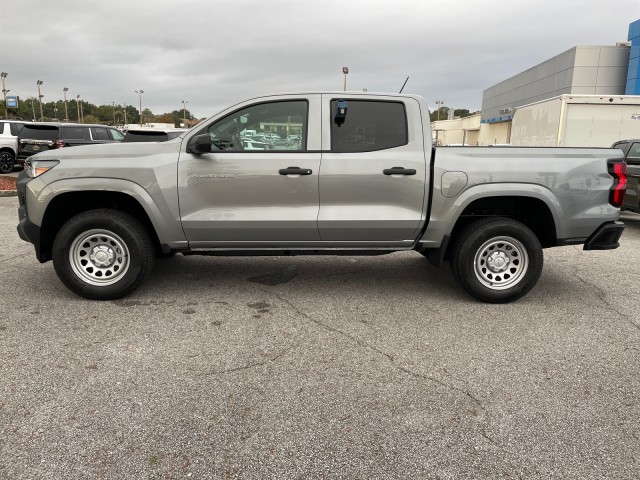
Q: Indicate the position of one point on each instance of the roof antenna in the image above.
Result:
(405, 82)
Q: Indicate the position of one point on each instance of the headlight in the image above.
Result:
(35, 168)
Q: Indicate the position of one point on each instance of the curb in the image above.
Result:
(8, 193)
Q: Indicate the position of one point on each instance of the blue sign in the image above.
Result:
(12, 102)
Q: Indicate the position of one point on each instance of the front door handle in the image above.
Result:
(399, 171)
(295, 171)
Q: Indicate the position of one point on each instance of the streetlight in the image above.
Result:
(184, 112)
(66, 111)
(78, 105)
(38, 83)
(140, 92)
(345, 70)
(4, 94)
(440, 103)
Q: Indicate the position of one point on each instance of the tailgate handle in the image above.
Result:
(295, 171)
(399, 171)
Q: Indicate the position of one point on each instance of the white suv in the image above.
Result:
(9, 130)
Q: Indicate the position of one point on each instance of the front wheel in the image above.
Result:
(102, 254)
(7, 162)
(497, 260)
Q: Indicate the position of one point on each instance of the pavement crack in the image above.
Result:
(248, 366)
(401, 368)
(602, 295)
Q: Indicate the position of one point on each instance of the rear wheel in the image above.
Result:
(497, 260)
(7, 161)
(103, 254)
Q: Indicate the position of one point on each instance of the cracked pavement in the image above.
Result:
(321, 367)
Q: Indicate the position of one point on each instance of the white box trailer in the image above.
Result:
(577, 121)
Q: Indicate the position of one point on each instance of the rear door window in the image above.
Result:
(367, 125)
(74, 133)
(101, 134)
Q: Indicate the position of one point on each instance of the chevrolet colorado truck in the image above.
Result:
(353, 174)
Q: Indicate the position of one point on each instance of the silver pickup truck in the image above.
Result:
(339, 173)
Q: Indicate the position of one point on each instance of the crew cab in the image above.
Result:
(364, 179)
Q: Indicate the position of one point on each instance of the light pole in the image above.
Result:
(38, 83)
(125, 113)
(4, 94)
(78, 105)
(440, 103)
(345, 70)
(66, 111)
(184, 112)
(140, 92)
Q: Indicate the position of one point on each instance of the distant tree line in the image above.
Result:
(86, 112)
(443, 113)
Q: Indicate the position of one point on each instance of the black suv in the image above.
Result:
(38, 137)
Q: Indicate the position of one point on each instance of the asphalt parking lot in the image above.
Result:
(321, 367)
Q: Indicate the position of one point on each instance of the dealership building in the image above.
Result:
(604, 77)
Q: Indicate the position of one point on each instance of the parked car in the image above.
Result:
(631, 150)
(254, 145)
(142, 134)
(37, 137)
(9, 130)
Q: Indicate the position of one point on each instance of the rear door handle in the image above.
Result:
(295, 171)
(399, 171)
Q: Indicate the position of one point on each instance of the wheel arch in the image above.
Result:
(532, 212)
(66, 205)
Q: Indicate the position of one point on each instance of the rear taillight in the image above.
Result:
(618, 170)
(59, 144)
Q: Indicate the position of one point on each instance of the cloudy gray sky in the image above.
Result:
(215, 52)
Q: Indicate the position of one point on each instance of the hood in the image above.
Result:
(111, 150)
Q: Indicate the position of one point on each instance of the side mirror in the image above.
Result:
(199, 144)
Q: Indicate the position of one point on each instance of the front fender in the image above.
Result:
(162, 213)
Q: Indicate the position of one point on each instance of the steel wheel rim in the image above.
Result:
(99, 257)
(501, 263)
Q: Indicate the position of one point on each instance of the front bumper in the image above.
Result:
(605, 237)
(27, 230)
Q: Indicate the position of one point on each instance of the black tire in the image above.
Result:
(7, 161)
(496, 260)
(103, 254)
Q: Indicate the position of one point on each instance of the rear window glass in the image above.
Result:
(367, 125)
(145, 137)
(39, 132)
(74, 133)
